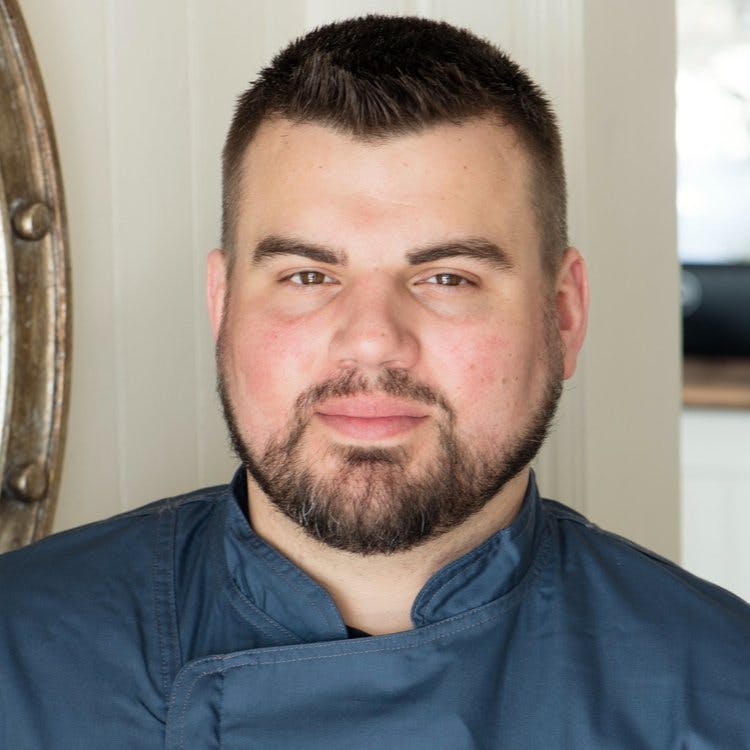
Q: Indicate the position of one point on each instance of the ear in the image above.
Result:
(216, 285)
(572, 300)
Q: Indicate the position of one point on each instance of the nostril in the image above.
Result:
(374, 344)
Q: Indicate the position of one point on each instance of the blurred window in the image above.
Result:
(713, 131)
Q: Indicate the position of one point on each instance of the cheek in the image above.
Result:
(463, 369)
(268, 341)
(476, 364)
(271, 363)
(487, 377)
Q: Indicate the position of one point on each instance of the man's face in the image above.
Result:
(388, 349)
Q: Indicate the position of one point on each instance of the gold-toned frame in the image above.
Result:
(35, 335)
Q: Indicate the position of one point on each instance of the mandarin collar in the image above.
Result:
(285, 593)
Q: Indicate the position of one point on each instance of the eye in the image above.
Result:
(447, 279)
(308, 278)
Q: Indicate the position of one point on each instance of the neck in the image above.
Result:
(375, 593)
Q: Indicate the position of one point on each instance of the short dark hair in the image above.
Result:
(381, 76)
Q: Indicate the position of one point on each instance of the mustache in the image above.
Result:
(391, 381)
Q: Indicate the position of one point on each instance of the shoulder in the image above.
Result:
(81, 561)
(82, 614)
(74, 598)
(659, 641)
(628, 584)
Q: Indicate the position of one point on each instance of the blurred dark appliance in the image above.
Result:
(716, 310)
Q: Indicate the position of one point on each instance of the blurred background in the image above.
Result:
(141, 94)
(713, 209)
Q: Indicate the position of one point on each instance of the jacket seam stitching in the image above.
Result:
(278, 568)
(226, 583)
(158, 610)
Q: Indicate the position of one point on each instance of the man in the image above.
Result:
(395, 307)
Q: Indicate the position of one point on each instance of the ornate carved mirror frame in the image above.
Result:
(34, 294)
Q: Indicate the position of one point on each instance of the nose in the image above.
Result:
(373, 329)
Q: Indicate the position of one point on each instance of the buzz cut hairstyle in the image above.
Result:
(379, 77)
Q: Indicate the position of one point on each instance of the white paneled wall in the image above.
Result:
(632, 376)
(143, 419)
(142, 93)
(716, 496)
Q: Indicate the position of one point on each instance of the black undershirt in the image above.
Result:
(356, 633)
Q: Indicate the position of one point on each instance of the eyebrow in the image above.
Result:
(477, 248)
(273, 245)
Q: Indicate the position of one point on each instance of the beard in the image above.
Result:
(376, 503)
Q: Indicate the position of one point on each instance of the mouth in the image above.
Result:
(371, 418)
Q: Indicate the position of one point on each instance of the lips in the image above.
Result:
(371, 417)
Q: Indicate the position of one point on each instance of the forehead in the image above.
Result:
(311, 181)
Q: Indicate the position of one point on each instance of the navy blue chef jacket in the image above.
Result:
(175, 626)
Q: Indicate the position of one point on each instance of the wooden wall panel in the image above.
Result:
(150, 125)
(632, 375)
(71, 44)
